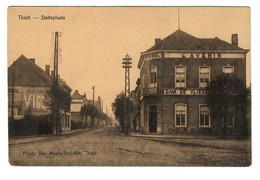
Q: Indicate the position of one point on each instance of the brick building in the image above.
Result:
(173, 76)
(31, 85)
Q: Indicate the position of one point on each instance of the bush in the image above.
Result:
(30, 125)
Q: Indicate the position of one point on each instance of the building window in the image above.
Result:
(204, 76)
(228, 70)
(180, 77)
(153, 76)
(180, 115)
(204, 116)
(230, 119)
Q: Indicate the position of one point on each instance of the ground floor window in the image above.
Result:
(204, 116)
(180, 115)
(229, 120)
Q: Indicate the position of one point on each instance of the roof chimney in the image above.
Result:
(47, 69)
(156, 40)
(76, 91)
(32, 60)
(234, 40)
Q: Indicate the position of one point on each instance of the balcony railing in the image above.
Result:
(149, 91)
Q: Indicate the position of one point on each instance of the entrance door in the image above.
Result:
(152, 118)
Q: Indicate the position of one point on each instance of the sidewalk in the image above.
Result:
(43, 137)
(135, 134)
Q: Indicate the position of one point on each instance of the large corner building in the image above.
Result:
(173, 75)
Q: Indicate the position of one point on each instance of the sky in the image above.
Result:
(96, 39)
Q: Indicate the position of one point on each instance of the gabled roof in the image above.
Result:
(30, 74)
(76, 95)
(180, 40)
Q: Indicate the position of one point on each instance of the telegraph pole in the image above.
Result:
(127, 65)
(12, 108)
(57, 120)
(92, 117)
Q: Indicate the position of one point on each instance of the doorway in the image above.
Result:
(152, 118)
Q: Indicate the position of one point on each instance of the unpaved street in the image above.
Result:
(100, 147)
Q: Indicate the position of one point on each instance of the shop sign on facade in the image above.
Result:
(173, 91)
(152, 56)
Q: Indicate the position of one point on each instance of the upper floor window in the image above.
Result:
(204, 116)
(180, 77)
(204, 76)
(180, 115)
(153, 76)
(228, 70)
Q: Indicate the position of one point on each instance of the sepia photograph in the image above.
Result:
(129, 86)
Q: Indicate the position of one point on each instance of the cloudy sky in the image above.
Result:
(95, 39)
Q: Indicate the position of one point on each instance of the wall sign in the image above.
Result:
(172, 91)
(203, 55)
(152, 56)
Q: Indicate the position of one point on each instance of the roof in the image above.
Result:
(180, 40)
(76, 95)
(30, 74)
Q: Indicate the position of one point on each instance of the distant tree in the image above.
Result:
(90, 111)
(118, 108)
(227, 99)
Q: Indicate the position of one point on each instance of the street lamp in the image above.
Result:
(93, 87)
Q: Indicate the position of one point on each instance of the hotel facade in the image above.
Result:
(173, 75)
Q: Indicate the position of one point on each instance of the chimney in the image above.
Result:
(234, 40)
(156, 40)
(32, 60)
(76, 91)
(47, 69)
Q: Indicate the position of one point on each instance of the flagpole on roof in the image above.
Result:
(178, 17)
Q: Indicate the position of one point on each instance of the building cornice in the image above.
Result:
(141, 60)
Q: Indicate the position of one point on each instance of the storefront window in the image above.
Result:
(180, 115)
(180, 76)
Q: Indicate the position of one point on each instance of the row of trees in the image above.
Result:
(88, 110)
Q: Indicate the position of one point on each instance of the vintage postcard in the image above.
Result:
(129, 86)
